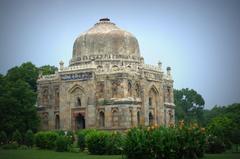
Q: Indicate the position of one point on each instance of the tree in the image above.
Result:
(47, 69)
(189, 105)
(221, 127)
(18, 97)
(27, 72)
(17, 107)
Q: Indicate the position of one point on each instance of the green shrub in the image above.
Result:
(73, 148)
(115, 143)
(81, 137)
(46, 140)
(17, 137)
(3, 138)
(164, 142)
(179, 142)
(97, 142)
(23, 147)
(62, 143)
(137, 144)
(70, 135)
(13, 145)
(215, 145)
(29, 138)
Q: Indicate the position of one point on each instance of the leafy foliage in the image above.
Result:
(17, 137)
(46, 140)
(29, 138)
(62, 143)
(115, 143)
(27, 72)
(3, 138)
(10, 146)
(223, 127)
(137, 144)
(180, 142)
(102, 142)
(17, 108)
(215, 144)
(47, 69)
(81, 135)
(18, 97)
(189, 105)
(97, 142)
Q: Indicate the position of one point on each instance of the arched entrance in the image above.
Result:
(80, 121)
(150, 119)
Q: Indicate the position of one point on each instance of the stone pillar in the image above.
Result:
(61, 63)
(90, 116)
(108, 117)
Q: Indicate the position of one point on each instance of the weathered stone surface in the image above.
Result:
(106, 86)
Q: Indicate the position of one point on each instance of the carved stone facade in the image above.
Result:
(106, 85)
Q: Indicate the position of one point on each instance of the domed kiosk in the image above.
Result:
(106, 85)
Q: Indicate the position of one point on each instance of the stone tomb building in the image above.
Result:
(107, 85)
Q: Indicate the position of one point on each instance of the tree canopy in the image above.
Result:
(18, 97)
(189, 105)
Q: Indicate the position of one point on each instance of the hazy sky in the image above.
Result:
(199, 39)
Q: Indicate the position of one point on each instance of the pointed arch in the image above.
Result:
(75, 87)
(137, 89)
(154, 88)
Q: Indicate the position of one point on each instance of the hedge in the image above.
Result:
(46, 140)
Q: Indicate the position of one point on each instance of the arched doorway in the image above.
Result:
(80, 122)
(150, 118)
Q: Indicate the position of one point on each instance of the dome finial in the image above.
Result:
(104, 20)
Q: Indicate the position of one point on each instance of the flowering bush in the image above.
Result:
(176, 142)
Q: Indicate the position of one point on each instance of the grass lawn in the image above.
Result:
(46, 154)
(222, 156)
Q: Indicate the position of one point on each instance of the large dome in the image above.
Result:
(105, 38)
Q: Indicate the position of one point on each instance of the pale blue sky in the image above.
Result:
(199, 39)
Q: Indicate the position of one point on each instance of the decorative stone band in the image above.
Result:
(77, 76)
(112, 101)
(151, 67)
(86, 58)
(49, 77)
(79, 67)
